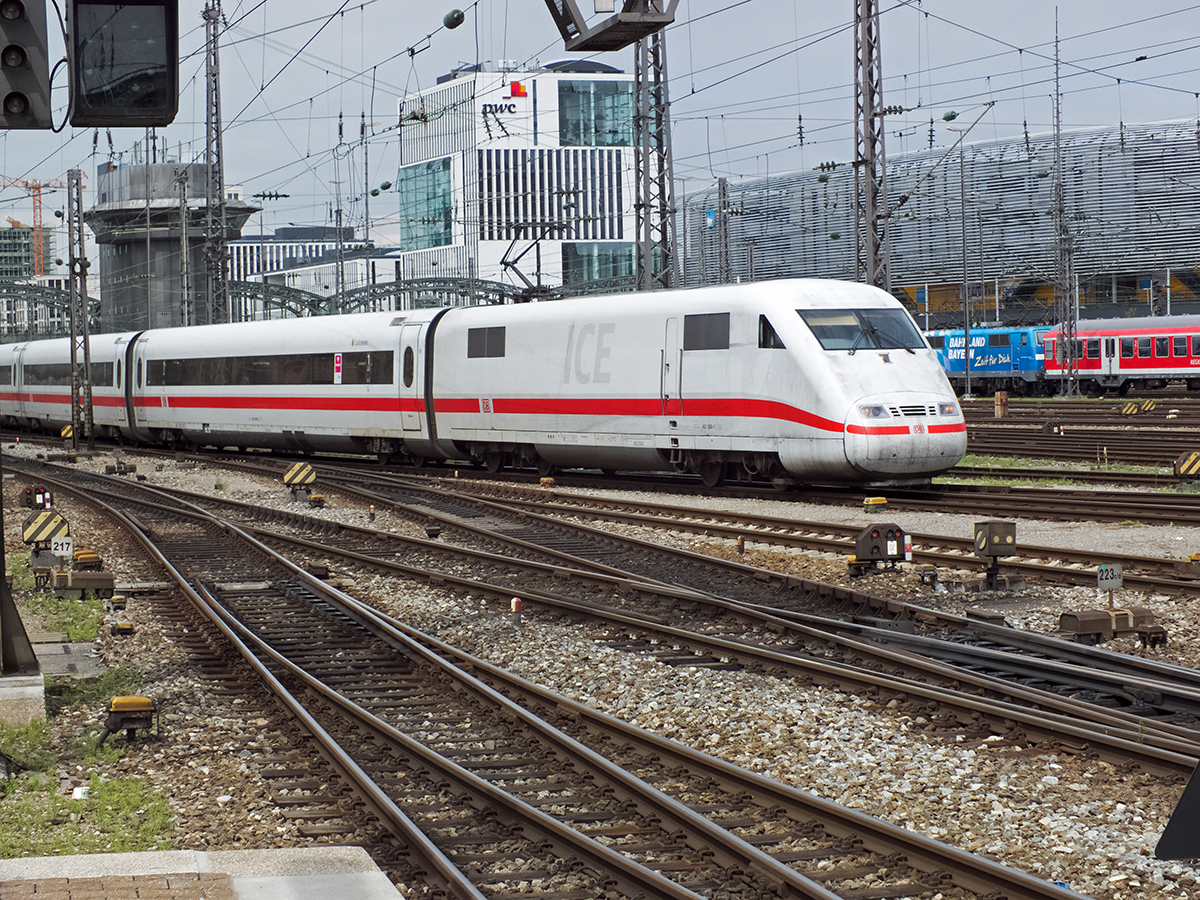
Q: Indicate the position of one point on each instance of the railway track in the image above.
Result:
(1005, 663)
(502, 797)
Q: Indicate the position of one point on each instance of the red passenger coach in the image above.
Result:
(1118, 354)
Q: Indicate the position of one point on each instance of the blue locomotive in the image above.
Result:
(1003, 358)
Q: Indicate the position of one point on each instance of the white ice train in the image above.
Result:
(801, 381)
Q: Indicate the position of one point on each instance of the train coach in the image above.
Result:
(1003, 358)
(787, 381)
(1119, 354)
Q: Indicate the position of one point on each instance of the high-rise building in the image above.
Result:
(17, 251)
(525, 177)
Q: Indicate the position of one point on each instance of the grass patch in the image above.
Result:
(78, 619)
(1018, 462)
(65, 691)
(120, 816)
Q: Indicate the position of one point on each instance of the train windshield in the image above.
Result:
(862, 329)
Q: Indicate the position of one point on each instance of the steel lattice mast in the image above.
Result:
(654, 202)
(217, 268)
(1064, 288)
(870, 170)
(81, 354)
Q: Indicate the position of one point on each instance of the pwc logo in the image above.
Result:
(514, 90)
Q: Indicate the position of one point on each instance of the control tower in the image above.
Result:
(141, 235)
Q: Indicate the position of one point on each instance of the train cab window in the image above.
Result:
(1162, 347)
(1093, 348)
(1144, 347)
(410, 366)
(1126, 348)
(1179, 345)
(767, 338)
(485, 342)
(863, 329)
(706, 331)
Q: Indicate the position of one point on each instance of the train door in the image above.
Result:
(1111, 361)
(412, 381)
(672, 370)
(18, 381)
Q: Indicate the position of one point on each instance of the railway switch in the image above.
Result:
(1094, 626)
(128, 714)
(878, 546)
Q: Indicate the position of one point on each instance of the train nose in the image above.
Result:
(900, 436)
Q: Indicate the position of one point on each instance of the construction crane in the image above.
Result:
(34, 188)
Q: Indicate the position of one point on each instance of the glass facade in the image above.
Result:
(597, 261)
(595, 113)
(426, 204)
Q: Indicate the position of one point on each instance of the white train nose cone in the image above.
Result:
(904, 435)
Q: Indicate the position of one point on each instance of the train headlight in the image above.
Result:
(947, 409)
(873, 412)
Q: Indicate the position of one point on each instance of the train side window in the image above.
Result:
(6, 374)
(139, 374)
(767, 338)
(410, 367)
(118, 382)
(1024, 339)
(937, 341)
(1093, 348)
(1144, 347)
(706, 331)
(1126, 348)
(998, 340)
(485, 342)
(1179, 347)
(1196, 345)
(1162, 347)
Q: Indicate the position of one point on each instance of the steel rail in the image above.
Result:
(972, 871)
(444, 874)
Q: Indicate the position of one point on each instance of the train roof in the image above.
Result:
(1137, 323)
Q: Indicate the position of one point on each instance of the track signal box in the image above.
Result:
(24, 65)
(124, 62)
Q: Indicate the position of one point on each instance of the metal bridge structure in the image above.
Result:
(34, 311)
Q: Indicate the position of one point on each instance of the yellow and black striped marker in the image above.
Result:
(1130, 409)
(68, 431)
(44, 526)
(1148, 405)
(1188, 464)
(299, 475)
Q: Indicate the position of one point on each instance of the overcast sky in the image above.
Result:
(741, 73)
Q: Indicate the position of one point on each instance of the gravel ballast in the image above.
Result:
(1074, 820)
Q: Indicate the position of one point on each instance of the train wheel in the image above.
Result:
(712, 473)
(1123, 389)
(418, 462)
(493, 461)
(544, 468)
(608, 473)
